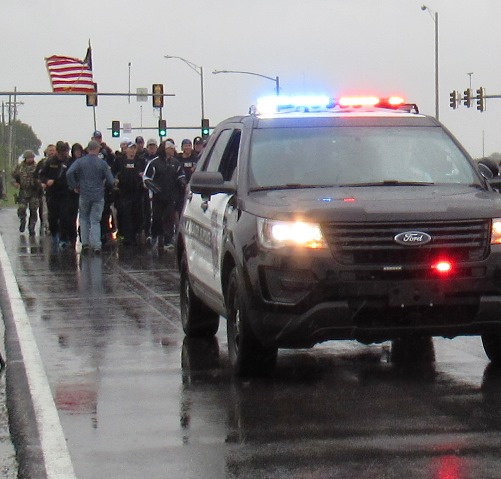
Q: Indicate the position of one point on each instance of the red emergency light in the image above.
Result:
(443, 267)
(360, 101)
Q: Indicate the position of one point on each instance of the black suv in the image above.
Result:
(355, 222)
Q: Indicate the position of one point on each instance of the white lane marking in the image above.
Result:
(57, 459)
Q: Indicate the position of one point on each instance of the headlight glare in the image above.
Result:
(496, 231)
(277, 234)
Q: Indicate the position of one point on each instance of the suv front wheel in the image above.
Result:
(248, 356)
(197, 319)
(491, 341)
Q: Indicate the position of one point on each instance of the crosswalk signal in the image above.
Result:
(158, 95)
(467, 97)
(91, 98)
(205, 128)
(115, 128)
(162, 128)
(481, 99)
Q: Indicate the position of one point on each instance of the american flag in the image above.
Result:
(68, 74)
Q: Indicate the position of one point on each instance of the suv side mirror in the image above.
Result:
(488, 168)
(207, 183)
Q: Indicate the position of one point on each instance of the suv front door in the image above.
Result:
(204, 219)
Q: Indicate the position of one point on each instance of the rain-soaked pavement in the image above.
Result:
(136, 400)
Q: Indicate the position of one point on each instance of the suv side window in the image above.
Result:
(224, 155)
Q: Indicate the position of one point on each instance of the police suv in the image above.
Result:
(314, 219)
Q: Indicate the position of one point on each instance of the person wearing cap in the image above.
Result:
(188, 160)
(49, 152)
(149, 154)
(151, 149)
(198, 146)
(164, 176)
(26, 181)
(129, 200)
(105, 151)
(107, 219)
(87, 176)
(53, 180)
(139, 141)
(122, 152)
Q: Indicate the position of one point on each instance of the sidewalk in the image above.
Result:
(8, 463)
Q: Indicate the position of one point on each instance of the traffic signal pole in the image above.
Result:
(455, 98)
(52, 93)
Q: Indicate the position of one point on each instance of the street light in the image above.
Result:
(470, 74)
(276, 79)
(434, 17)
(199, 71)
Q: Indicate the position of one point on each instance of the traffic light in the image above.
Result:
(467, 97)
(91, 98)
(158, 95)
(481, 99)
(162, 128)
(453, 100)
(205, 128)
(115, 128)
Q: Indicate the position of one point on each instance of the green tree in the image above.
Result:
(23, 136)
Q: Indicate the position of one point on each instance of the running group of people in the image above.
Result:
(136, 199)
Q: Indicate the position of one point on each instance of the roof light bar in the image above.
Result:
(395, 101)
(358, 101)
(274, 104)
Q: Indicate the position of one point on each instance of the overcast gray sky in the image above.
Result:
(331, 47)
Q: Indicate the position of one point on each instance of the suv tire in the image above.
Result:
(492, 345)
(196, 318)
(248, 357)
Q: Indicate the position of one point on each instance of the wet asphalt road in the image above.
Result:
(136, 400)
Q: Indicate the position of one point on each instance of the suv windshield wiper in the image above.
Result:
(289, 186)
(391, 183)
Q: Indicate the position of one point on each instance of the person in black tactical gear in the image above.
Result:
(130, 193)
(150, 153)
(164, 176)
(68, 233)
(188, 159)
(198, 146)
(53, 179)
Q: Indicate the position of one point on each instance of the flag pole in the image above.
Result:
(90, 65)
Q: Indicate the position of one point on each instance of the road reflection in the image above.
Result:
(346, 415)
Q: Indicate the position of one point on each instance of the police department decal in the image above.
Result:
(412, 238)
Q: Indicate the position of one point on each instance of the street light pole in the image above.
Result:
(276, 79)
(470, 74)
(200, 71)
(434, 17)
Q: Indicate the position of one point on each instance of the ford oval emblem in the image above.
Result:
(412, 238)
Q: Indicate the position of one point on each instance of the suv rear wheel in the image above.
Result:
(197, 319)
(248, 356)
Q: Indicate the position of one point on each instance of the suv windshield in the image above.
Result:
(341, 156)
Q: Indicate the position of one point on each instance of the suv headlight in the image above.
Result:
(278, 234)
(496, 231)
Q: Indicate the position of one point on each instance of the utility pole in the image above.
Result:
(4, 158)
(12, 117)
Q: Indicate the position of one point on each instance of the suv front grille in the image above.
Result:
(373, 243)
